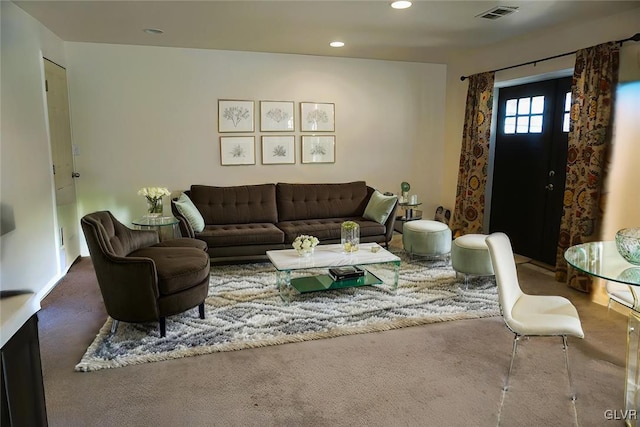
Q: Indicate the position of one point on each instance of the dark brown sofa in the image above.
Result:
(248, 220)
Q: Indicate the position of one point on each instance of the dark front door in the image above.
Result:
(529, 166)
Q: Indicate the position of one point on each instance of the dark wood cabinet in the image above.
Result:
(23, 402)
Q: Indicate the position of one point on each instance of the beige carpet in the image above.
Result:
(445, 374)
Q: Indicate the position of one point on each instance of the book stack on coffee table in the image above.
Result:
(345, 273)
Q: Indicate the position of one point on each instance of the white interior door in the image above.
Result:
(63, 169)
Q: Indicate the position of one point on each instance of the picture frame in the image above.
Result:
(237, 150)
(235, 115)
(277, 116)
(278, 150)
(318, 149)
(317, 117)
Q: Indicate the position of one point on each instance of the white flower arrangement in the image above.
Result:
(304, 243)
(153, 193)
(154, 197)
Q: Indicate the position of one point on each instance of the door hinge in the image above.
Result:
(54, 169)
(46, 85)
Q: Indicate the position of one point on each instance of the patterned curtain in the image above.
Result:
(468, 214)
(593, 88)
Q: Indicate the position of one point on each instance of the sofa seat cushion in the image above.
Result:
(178, 268)
(182, 242)
(328, 228)
(241, 234)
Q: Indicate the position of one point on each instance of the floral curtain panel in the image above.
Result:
(468, 214)
(595, 78)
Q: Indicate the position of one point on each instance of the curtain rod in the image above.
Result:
(635, 38)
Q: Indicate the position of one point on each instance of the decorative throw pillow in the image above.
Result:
(187, 209)
(379, 207)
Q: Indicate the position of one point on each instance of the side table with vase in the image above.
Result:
(410, 214)
(167, 227)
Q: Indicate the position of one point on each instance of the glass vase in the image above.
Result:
(154, 207)
(350, 236)
(305, 252)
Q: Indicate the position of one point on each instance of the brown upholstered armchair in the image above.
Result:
(142, 280)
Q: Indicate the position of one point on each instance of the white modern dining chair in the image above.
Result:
(530, 315)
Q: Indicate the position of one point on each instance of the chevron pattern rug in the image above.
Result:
(244, 310)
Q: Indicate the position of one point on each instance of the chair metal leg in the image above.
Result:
(565, 348)
(201, 310)
(163, 327)
(114, 326)
(516, 338)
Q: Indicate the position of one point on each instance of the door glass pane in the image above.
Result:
(511, 107)
(523, 105)
(535, 126)
(510, 125)
(523, 124)
(537, 105)
(567, 101)
(565, 123)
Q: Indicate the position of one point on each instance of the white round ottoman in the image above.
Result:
(470, 256)
(426, 238)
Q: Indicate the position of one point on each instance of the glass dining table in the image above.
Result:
(601, 259)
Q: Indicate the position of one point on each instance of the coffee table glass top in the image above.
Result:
(602, 259)
(330, 256)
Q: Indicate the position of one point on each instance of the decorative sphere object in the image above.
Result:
(628, 244)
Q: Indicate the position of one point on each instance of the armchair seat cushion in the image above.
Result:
(178, 268)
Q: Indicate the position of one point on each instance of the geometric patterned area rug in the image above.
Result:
(244, 310)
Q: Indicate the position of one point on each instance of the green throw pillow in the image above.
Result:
(187, 209)
(379, 207)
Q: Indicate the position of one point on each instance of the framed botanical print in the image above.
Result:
(237, 150)
(235, 115)
(318, 149)
(276, 116)
(317, 117)
(278, 150)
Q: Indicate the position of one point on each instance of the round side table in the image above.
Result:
(166, 226)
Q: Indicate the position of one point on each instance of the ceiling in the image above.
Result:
(426, 32)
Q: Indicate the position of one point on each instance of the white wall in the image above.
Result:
(147, 116)
(28, 250)
(623, 198)
(532, 47)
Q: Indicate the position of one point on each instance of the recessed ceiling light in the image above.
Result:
(401, 4)
(153, 31)
(336, 44)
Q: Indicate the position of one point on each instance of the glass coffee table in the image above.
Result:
(327, 256)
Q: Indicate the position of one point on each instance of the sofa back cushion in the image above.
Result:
(242, 204)
(317, 201)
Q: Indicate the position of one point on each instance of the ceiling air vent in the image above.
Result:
(498, 12)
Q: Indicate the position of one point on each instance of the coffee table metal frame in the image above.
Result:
(326, 256)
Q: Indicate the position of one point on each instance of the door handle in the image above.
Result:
(75, 175)
(549, 187)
